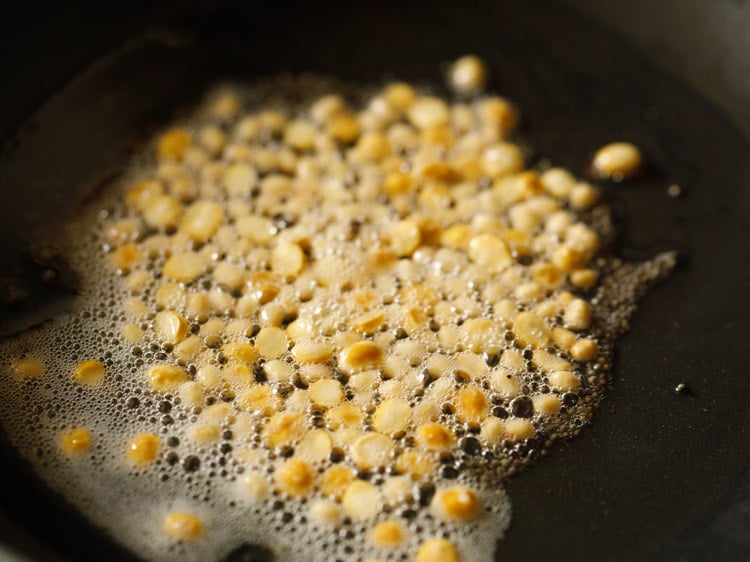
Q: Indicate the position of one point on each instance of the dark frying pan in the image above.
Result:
(658, 476)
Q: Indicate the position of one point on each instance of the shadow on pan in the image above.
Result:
(658, 476)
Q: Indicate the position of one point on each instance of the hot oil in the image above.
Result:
(209, 478)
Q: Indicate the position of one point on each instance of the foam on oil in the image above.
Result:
(205, 479)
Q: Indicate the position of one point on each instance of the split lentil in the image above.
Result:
(358, 316)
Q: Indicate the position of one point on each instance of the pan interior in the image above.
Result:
(567, 76)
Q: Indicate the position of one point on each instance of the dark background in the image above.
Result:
(657, 476)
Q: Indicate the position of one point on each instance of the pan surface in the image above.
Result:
(657, 476)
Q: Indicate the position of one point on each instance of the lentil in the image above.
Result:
(374, 305)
